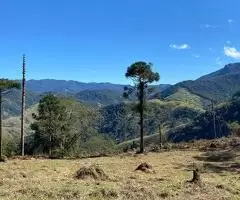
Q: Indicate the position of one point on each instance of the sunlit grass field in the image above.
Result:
(55, 179)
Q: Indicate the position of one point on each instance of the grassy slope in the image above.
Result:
(54, 179)
(183, 97)
(11, 125)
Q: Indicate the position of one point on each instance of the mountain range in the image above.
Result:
(63, 86)
(180, 107)
(218, 86)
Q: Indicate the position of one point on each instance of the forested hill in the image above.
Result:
(218, 86)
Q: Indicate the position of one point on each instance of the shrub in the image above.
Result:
(235, 128)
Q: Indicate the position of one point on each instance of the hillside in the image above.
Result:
(12, 102)
(230, 69)
(202, 125)
(100, 97)
(11, 125)
(218, 86)
(12, 130)
(185, 97)
(121, 122)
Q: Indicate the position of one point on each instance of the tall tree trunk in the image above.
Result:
(214, 120)
(23, 107)
(0, 125)
(141, 99)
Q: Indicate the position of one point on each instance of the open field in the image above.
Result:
(54, 179)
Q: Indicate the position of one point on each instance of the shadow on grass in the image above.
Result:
(220, 161)
(223, 167)
(217, 156)
(215, 161)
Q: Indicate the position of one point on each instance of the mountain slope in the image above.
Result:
(121, 122)
(202, 126)
(230, 69)
(100, 97)
(218, 86)
(12, 102)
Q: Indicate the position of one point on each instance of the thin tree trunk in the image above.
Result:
(214, 120)
(0, 125)
(160, 136)
(23, 108)
(50, 146)
(141, 99)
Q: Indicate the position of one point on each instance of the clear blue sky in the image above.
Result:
(95, 40)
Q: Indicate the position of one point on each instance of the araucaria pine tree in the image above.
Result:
(141, 74)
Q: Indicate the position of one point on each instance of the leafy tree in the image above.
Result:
(61, 123)
(83, 124)
(97, 145)
(141, 74)
(5, 86)
(51, 122)
(235, 128)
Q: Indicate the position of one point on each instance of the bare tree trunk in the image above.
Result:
(214, 120)
(160, 136)
(141, 99)
(0, 125)
(50, 146)
(23, 108)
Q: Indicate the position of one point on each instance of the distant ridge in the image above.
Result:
(218, 86)
(52, 85)
(69, 86)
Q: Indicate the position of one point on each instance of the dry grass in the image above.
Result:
(55, 179)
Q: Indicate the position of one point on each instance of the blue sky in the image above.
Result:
(96, 40)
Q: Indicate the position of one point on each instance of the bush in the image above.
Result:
(235, 128)
(97, 145)
(10, 147)
(3, 158)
